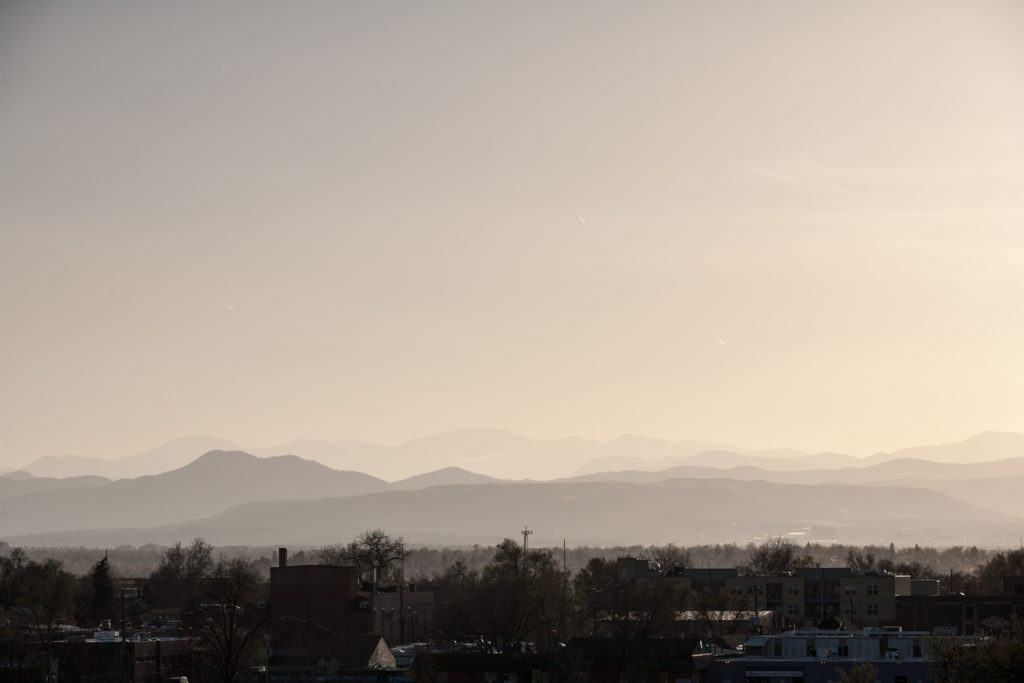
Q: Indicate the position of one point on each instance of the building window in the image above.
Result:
(850, 590)
(793, 589)
(872, 589)
(872, 608)
(793, 610)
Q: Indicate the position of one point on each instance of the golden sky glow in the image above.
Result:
(788, 224)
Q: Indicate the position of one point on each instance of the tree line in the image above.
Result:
(514, 596)
(224, 600)
(974, 570)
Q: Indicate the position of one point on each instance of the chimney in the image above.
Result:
(282, 557)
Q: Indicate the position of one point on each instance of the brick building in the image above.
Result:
(314, 605)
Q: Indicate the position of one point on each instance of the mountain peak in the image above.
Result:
(218, 457)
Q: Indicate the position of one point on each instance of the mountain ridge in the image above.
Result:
(595, 513)
(505, 455)
(209, 484)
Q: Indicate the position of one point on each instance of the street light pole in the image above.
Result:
(124, 670)
(401, 602)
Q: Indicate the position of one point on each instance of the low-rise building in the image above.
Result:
(958, 614)
(317, 603)
(814, 595)
(815, 656)
(783, 594)
(313, 605)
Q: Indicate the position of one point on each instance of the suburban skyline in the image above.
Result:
(776, 226)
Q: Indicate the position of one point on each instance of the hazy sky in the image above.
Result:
(777, 224)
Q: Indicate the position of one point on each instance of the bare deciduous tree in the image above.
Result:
(193, 562)
(372, 552)
(231, 618)
(180, 571)
(778, 555)
(670, 556)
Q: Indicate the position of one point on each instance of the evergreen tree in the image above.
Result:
(102, 603)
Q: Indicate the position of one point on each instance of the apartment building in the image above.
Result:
(804, 597)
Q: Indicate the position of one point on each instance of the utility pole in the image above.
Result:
(401, 603)
(124, 669)
(526, 534)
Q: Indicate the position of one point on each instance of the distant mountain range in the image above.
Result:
(443, 477)
(236, 497)
(587, 513)
(994, 485)
(168, 456)
(504, 455)
(16, 485)
(978, 448)
(210, 484)
(594, 513)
